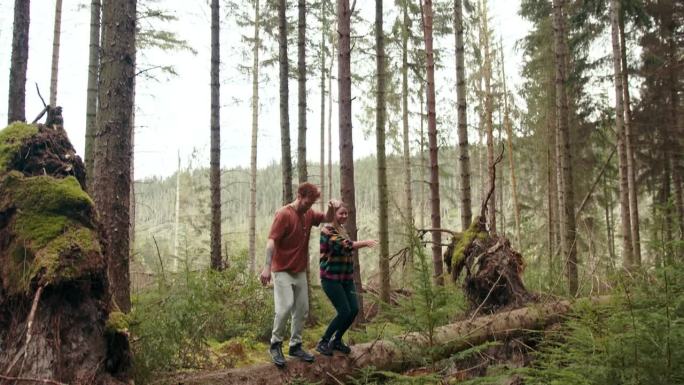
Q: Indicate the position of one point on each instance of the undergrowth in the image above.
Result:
(636, 339)
(200, 319)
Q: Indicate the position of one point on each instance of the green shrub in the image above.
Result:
(636, 339)
(173, 325)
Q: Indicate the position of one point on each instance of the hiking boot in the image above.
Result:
(297, 351)
(339, 346)
(276, 351)
(324, 348)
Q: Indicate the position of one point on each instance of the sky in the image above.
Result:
(172, 112)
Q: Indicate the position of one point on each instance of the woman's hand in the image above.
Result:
(366, 243)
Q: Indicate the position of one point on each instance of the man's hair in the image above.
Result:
(308, 190)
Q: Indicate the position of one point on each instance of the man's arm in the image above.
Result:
(266, 272)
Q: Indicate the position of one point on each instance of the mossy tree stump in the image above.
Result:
(54, 299)
(493, 268)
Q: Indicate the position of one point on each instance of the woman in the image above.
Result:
(337, 272)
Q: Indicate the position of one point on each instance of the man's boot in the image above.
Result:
(276, 351)
(297, 351)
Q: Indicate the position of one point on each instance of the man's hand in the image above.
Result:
(265, 275)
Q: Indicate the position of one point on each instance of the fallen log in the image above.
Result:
(393, 354)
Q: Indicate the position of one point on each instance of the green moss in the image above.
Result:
(45, 206)
(11, 138)
(466, 239)
(51, 240)
(117, 322)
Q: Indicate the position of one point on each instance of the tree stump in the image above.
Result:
(57, 323)
(494, 270)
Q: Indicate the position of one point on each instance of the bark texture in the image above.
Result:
(626, 225)
(406, 139)
(112, 168)
(629, 146)
(255, 132)
(345, 129)
(432, 140)
(56, 36)
(286, 157)
(463, 154)
(215, 131)
(301, 91)
(17, 77)
(565, 191)
(91, 94)
(380, 121)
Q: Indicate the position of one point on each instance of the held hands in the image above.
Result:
(265, 276)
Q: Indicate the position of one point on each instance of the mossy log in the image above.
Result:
(402, 353)
(54, 299)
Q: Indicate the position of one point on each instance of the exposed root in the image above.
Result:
(24, 379)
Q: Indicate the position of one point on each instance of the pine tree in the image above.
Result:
(113, 148)
(432, 139)
(19, 62)
(55, 52)
(380, 113)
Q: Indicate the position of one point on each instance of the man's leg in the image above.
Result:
(284, 299)
(299, 313)
(300, 308)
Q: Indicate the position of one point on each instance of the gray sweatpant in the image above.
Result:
(291, 298)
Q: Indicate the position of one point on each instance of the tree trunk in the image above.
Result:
(423, 165)
(55, 52)
(629, 146)
(676, 128)
(628, 256)
(566, 196)
(255, 131)
(408, 214)
(432, 140)
(330, 169)
(176, 222)
(324, 26)
(91, 97)
(346, 142)
(301, 83)
(284, 96)
(488, 112)
(608, 196)
(509, 141)
(386, 355)
(215, 161)
(113, 147)
(380, 120)
(17, 79)
(463, 156)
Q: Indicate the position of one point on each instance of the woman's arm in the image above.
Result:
(366, 243)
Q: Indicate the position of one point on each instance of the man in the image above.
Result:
(287, 255)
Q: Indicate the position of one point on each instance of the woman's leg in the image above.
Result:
(336, 293)
(349, 291)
